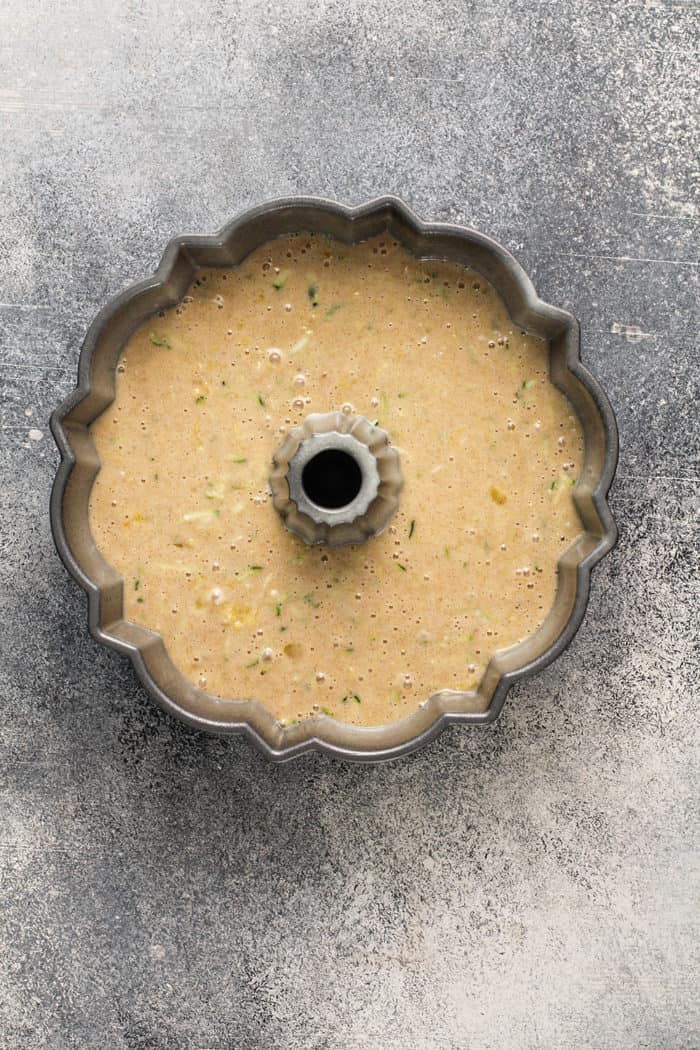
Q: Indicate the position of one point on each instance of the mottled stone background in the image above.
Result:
(530, 885)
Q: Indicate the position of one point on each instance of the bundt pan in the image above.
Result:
(96, 389)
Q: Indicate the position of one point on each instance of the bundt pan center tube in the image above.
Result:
(341, 481)
(336, 480)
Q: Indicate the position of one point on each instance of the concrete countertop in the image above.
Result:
(528, 885)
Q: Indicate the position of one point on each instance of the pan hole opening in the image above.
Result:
(332, 479)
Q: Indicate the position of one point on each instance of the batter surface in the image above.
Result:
(489, 449)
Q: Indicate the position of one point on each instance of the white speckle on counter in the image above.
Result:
(35, 435)
(631, 332)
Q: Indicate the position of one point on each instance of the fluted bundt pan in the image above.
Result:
(96, 389)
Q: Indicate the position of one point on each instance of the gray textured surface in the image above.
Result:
(531, 885)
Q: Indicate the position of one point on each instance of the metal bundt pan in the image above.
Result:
(96, 390)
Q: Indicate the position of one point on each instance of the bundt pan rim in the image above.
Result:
(95, 390)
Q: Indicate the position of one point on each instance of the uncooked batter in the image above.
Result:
(489, 449)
